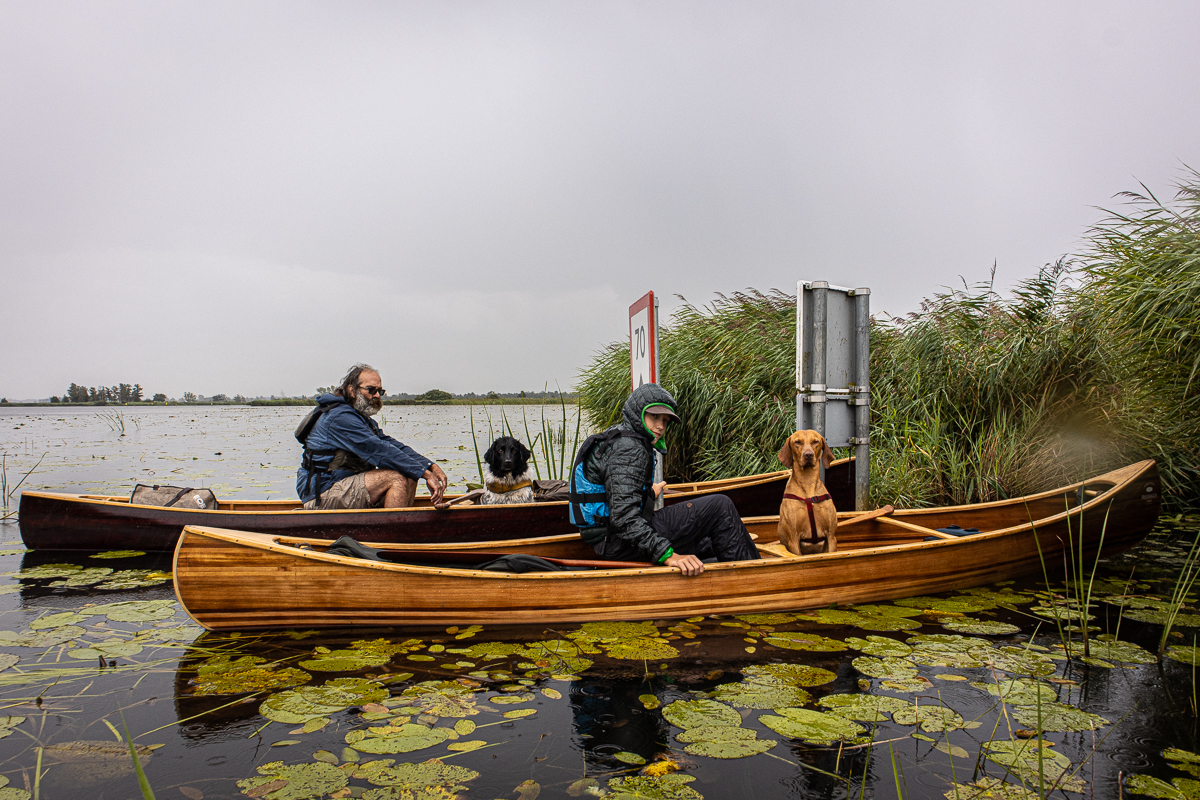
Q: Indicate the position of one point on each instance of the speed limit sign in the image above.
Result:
(643, 341)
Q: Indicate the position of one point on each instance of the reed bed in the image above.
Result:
(1093, 362)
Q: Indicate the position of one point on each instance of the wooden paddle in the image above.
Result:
(462, 498)
(477, 557)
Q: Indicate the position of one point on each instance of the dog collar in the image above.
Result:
(808, 501)
(504, 488)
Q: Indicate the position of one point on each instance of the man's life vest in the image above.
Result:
(338, 459)
(588, 501)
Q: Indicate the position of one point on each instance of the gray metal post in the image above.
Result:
(659, 465)
(817, 388)
(861, 399)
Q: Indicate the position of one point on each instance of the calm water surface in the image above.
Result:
(729, 707)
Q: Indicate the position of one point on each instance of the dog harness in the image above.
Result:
(808, 501)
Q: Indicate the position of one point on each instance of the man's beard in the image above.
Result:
(367, 405)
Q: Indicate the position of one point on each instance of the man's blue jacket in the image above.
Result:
(343, 428)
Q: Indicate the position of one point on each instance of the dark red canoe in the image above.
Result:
(55, 521)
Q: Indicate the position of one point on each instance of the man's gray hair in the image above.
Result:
(351, 379)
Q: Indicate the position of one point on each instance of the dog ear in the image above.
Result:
(785, 453)
(488, 455)
(524, 450)
(826, 453)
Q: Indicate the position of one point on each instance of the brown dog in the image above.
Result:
(807, 517)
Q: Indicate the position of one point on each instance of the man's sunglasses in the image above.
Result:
(373, 390)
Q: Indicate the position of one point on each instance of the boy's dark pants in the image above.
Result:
(707, 527)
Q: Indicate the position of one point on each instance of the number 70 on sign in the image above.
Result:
(643, 341)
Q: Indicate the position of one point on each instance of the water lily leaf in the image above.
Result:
(285, 742)
(346, 661)
(137, 610)
(1175, 754)
(695, 713)
(865, 707)
(297, 706)
(626, 757)
(866, 621)
(295, 782)
(815, 727)
(989, 789)
(466, 746)
(553, 694)
(415, 777)
(440, 698)
(932, 718)
(584, 786)
(510, 699)
(134, 579)
(405, 738)
(11, 792)
(225, 675)
(528, 790)
(723, 741)
(49, 571)
(114, 648)
(84, 577)
(119, 554)
(1154, 787)
(1063, 611)
(387, 647)
(880, 646)
(50, 638)
(891, 668)
(1020, 660)
(804, 641)
(1022, 756)
(489, 651)
(7, 660)
(641, 649)
(951, 749)
(518, 713)
(326, 756)
(649, 701)
(999, 596)
(559, 655)
(1058, 717)
(464, 727)
(978, 626)
(7, 724)
(1109, 647)
(634, 641)
(1187, 655)
(968, 604)
(909, 685)
(58, 620)
(86, 762)
(653, 787)
(1017, 692)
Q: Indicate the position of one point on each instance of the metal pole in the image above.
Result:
(862, 406)
(820, 344)
(659, 466)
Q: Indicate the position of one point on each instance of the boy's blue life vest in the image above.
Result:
(588, 501)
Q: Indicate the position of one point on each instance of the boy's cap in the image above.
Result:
(661, 408)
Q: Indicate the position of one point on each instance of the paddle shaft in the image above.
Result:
(476, 557)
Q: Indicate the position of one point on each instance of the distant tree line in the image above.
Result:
(121, 393)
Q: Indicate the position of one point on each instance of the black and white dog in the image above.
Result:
(506, 477)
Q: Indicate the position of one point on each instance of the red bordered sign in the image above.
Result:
(643, 341)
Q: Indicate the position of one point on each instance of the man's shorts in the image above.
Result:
(347, 493)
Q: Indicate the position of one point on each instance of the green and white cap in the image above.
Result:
(661, 408)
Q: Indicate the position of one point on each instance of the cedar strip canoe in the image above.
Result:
(56, 521)
(233, 580)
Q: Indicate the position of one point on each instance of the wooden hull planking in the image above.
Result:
(233, 580)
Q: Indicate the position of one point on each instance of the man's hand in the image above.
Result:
(436, 480)
(688, 565)
(658, 488)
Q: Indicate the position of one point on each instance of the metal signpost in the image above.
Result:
(833, 371)
(643, 357)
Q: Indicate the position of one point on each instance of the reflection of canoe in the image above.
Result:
(230, 579)
(54, 521)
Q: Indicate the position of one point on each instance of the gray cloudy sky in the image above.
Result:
(249, 196)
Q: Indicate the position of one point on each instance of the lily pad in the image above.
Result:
(136, 610)
(415, 777)
(890, 668)
(1112, 649)
(653, 787)
(58, 620)
(119, 554)
(224, 675)
(8, 723)
(990, 789)
(11, 792)
(298, 706)
(50, 638)
(956, 605)
(518, 713)
(649, 701)
(626, 757)
(804, 641)
(440, 698)
(1019, 660)
(864, 707)
(979, 626)
(815, 727)
(750, 694)
(931, 717)
(405, 738)
(723, 741)
(295, 782)
(768, 619)
(880, 646)
(346, 661)
(1022, 757)
(868, 618)
(1017, 692)
(84, 577)
(49, 571)
(1058, 717)
(113, 648)
(695, 713)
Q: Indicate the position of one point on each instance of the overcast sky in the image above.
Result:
(246, 197)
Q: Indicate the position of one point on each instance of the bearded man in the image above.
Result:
(348, 460)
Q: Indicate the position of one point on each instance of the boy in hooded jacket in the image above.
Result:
(680, 535)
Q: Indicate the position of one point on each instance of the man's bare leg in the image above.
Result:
(396, 490)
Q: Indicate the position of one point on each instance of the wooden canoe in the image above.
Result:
(234, 580)
(56, 521)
